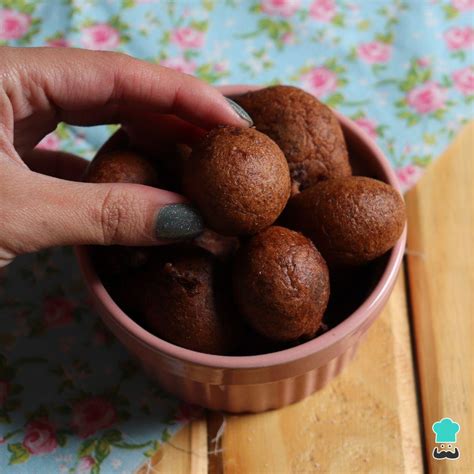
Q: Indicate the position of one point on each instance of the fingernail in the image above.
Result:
(240, 111)
(177, 222)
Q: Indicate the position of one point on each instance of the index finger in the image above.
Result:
(69, 81)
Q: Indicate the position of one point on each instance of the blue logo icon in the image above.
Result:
(446, 431)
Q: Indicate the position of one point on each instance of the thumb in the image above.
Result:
(42, 211)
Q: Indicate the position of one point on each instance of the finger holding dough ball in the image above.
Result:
(306, 130)
(351, 220)
(122, 166)
(239, 180)
(281, 284)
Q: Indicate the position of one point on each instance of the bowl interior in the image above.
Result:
(355, 292)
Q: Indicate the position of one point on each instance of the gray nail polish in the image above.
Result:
(177, 222)
(240, 111)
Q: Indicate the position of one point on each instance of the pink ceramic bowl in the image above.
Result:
(262, 382)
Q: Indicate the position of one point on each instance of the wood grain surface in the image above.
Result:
(185, 453)
(441, 275)
(358, 420)
(414, 367)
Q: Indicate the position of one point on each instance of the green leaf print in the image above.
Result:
(208, 5)
(19, 453)
(24, 6)
(86, 448)
(363, 25)
(335, 99)
(429, 138)
(166, 436)
(124, 445)
(4, 417)
(385, 37)
(150, 452)
(421, 160)
(450, 12)
(199, 25)
(95, 469)
(61, 439)
(102, 450)
(112, 436)
(338, 20)
(255, 8)
(334, 66)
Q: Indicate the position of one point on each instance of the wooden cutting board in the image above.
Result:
(414, 368)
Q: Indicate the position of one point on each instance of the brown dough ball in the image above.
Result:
(239, 180)
(184, 297)
(122, 166)
(306, 130)
(281, 284)
(351, 220)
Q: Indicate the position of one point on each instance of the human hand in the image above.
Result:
(40, 203)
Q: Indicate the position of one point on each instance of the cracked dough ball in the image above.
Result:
(281, 284)
(306, 130)
(351, 220)
(184, 297)
(238, 179)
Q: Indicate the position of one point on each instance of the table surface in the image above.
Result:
(414, 368)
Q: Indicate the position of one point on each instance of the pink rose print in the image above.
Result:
(368, 125)
(408, 176)
(322, 10)
(423, 62)
(280, 7)
(92, 415)
(288, 38)
(57, 311)
(13, 24)
(459, 38)
(188, 38)
(85, 464)
(320, 81)
(464, 80)
(40, 437)
(58, 43)
(427, 98)
(375, 52)
(49, 142)
(101, 37)
(179, 64)
(4, 389)
(221, 66)
(463, 5)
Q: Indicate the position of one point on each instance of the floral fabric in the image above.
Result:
(403, 70)
(70, 399)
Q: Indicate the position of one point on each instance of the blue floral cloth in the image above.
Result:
(70, 399)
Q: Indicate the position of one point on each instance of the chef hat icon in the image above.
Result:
(446, 430)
